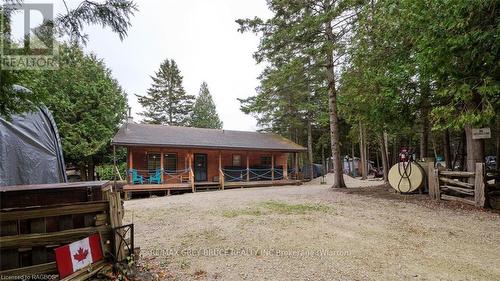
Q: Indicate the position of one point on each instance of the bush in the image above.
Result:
(106, 172)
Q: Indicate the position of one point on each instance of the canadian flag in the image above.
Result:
(77, 255)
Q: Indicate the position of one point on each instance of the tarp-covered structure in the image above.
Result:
(30, 149)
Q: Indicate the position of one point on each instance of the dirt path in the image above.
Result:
(312, 232)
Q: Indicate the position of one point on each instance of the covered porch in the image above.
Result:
(167, 169)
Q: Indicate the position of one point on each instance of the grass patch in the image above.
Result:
(292, 209)
(242, 212)
(277, 207)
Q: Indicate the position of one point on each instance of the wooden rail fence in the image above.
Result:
(37, 219)
(466, 187)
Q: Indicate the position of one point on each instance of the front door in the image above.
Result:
(200, 167)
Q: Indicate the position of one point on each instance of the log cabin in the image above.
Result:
(165, 158)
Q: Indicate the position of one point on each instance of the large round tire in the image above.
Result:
(404, 184)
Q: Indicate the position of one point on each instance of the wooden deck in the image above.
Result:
(129, 188)
(260, 183)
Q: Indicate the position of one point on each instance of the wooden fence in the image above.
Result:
(36, 219)
(465, 187)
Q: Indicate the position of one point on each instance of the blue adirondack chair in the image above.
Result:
(155, 177)
(136, 178)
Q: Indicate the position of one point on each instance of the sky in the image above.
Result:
(200, 35)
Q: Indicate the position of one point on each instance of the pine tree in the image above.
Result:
(204, 110)
(166, 101)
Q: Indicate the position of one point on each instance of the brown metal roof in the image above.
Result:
(133, 134)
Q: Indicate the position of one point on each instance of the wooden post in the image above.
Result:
(433, 182)
(430, 180)
(221, 180)
(479, 186)
(296, 160)
(130, 163)
(248, 168)
(161, 165)
(272, 166)
(191, 173)
(285, 167)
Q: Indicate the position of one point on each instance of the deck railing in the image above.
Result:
(167, 176)
(255, 174)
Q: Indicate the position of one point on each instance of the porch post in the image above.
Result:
(130, 163)
(285, 167)
(221, 174)
(248, 168)
(161, 164)
(191, 173)
(296, 163)
(272, 166)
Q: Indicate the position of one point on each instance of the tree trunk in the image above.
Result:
(83, 172)
(498, 144)
(447, 149)
(362, 152)
(475, 150)
(91, 170)
(383, 152)
(424, 110)
(323, 161)
(463, 151)
(386, 145)
(352, 170)
(338, 177)
(310, 145)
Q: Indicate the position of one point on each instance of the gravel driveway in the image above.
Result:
(312, 232)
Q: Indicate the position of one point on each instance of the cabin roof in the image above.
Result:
(133, 134)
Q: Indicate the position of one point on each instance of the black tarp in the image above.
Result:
(30, 149)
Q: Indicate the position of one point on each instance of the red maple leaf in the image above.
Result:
(81, 254)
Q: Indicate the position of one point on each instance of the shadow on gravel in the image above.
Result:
(387, 193)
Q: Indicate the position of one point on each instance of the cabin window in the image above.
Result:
(154, 161)
(170, 162)
(237, 160)
(266, 161)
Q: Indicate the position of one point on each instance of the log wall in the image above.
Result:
(139, 158)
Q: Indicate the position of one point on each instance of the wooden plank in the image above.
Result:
(42, 239)
(157, 187)
(456, 183)
(432, 184)
(65, 222)
(9, 257)
(457, 199)
(460, 190)
(479, 186)
(53, 210)
(459, 174)
(45, 268)
(86, 272)
(53, 186)
(38, 254)
(115, 218)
